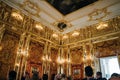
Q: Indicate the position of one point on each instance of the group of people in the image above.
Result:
(88, 73)
(12, 76)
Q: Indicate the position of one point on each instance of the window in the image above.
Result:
(109, 65)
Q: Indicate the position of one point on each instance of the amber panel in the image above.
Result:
(8, 53)
(77, 71)
(35, 57)
(76, 56)
(53, 65)
(107, 48)
(5, 11)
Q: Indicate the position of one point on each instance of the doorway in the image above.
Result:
(109, 65)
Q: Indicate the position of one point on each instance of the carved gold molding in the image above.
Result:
(31, 6)
(93, 38)
(98, 14)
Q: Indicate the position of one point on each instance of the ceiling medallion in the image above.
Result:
(61, 26)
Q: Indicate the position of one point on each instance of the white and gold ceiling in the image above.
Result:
(43, 12)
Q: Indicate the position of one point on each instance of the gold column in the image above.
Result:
(96, 61)
(44, 66)
(84, 57)
(24, 55)
(26, 48)
(91, 54)
(49, 60)
(58, 60)
(2, 30)
(20, 57)
(68, 62)
(62, 60)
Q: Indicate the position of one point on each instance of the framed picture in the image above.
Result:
(76, 71)
(34, 69)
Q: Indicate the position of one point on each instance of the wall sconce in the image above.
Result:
(102, 25)
(17, 16)
(39, 26)
(60, 60)
(17, 64)
(46, 58)
(65, 37)
(75, 33)
(68, 60)
(0, 47)
(55, 35)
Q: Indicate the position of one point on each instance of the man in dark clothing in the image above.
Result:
(12, 75)
(89, 73)
(99, 76)
(45, 77)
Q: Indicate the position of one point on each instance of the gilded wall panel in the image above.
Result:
(38, 29)
(107, 48)
(54, 56)
(34, 61)
(8, 53)
(5, 12)
(76, 56)
(35, 52)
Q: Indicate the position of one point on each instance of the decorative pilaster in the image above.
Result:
(68, 62)
(21, 57)
(49, 61)
(26, 48)
(62, 60)
(44, 66)
(84, 57)
(58, 60)
(96, 61)
(2, 30)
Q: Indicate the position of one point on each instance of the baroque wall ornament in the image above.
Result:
(98, 14)
(29, 5)
(8, 53)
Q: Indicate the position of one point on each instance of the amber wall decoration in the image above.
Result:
(77, 63)
(76, 55)
(107, 48)
(8, 53)
(65, 56)
(5, 11)
(35, 57)
(77, 71)
(53, 65)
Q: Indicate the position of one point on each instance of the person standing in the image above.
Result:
(88, 73)
(99, 76)
(12, 75)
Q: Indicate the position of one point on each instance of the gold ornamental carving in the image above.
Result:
(98, 14)
(31, 5)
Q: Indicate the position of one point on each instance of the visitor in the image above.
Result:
(115, 76)
(88, 73)
(45, 77)
(99, 76)
(12, 75)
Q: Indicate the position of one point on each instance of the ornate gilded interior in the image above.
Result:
(25, 47)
